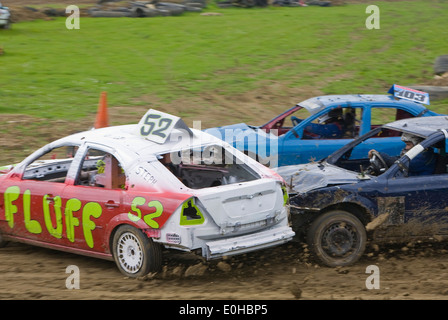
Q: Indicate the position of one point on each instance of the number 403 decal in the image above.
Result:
(409, 94)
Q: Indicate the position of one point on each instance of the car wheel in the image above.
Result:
(337, 238)
(135, 254)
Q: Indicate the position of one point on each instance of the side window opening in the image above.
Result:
(441, 165)
(101, 169)
(357, 160)
(291, 121)
(52, 166)
(382, 115)
(430, 160)
(339, 123)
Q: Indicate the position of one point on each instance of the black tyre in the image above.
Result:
(135, 254)
(337, 238)
(441, 64)
(140, 12)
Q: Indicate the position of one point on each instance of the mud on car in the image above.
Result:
(122, 193)
(342, 202)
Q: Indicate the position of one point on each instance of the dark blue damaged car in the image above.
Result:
(340, 203)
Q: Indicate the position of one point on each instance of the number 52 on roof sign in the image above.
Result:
(409, 94)
(157, 126)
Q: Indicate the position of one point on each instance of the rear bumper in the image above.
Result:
(247, 243)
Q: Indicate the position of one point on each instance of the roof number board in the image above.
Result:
(409, 94)
(156, 126)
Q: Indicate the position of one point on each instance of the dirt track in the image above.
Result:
(282, 273)
(412, 271)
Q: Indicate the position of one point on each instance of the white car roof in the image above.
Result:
(124, 138)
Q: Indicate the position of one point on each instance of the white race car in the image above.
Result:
(5, 17)
(123, 192)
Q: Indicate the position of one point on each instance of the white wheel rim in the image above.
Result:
(130, 252)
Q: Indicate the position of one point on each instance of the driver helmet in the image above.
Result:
(406, 137)
(333, 115)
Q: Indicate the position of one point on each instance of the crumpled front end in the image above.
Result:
(312, 176)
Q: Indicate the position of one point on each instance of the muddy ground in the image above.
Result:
(411, 271)
(406, 271)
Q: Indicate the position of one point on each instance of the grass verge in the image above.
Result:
(195, 64)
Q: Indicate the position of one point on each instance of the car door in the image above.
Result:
(93, 198)
(425, 211)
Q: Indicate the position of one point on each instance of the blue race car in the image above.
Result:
(356, 194)
(316, 127)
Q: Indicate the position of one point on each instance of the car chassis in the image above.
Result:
(112, 197)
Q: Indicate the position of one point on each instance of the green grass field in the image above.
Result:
(51, 71)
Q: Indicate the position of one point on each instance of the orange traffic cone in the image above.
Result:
(102, 118)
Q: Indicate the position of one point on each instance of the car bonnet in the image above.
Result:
(307, 177)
